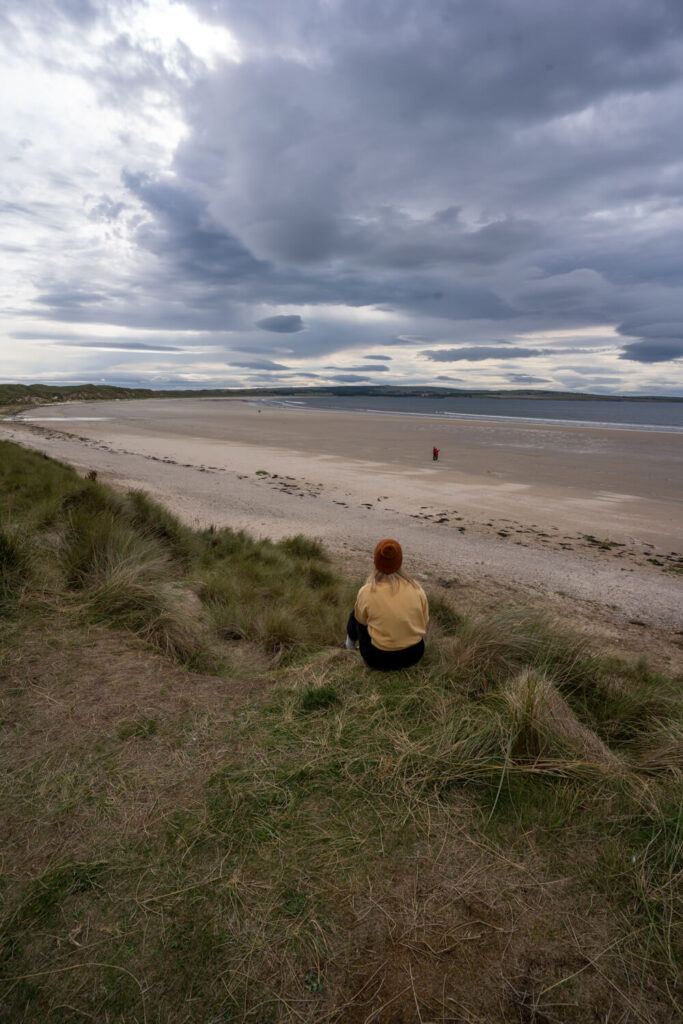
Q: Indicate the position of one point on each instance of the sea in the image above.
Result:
(656, 414)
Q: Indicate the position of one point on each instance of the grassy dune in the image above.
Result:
(210, 812)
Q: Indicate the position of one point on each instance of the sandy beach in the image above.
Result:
(589, 516)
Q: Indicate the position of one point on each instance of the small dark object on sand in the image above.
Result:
(92, 475)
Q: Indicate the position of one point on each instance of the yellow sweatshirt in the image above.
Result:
(395, 620)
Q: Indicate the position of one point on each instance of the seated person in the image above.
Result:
(390, 617)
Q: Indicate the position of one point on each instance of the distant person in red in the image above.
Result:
(435, 454)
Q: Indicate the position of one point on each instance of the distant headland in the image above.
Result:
(25, 395)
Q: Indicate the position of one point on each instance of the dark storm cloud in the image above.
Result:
(487, 94)
(478, 353)
(397, 241)
(658, 334)
(198, 275)
(458, 78)
(472, 169)
(183, 231)
(653, 326)
(653, 350)
(495, 52)
(191, 245)
(282, 324)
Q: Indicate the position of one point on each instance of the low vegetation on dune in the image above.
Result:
(211, 812)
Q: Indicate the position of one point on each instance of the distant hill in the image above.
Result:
(22, 395)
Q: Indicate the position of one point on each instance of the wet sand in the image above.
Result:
(591, 512)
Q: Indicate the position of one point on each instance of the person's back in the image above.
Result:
(395, 612)
(390, 617)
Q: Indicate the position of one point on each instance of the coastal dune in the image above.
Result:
(592, 514)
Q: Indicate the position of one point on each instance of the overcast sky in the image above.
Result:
(481, 193)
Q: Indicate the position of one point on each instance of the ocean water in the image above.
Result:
(625, 414)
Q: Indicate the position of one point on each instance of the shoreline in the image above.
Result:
(549, 511)
(302, 406)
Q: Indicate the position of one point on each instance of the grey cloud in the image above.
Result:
(258, 364)
(153, 342)
(9, 208)
(123, 346)
(295, 374)
(290, 375)
(359, 369)
(282, 324)
(384, 358)
(498, 62)
(653, 351)
(44, 336)
(183, 231)
(348, 378)
(652, 327)
(479, 353)
(106, 210)
(83, 12)
(583, 288)
(268, 350)
(474, 170)
(273, 379)
(658, 334)
(518, 68)
(191, 244)
(69, 297)
(398, 241)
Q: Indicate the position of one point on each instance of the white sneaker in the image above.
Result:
(350, 645)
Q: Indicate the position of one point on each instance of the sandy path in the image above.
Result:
(509, 505)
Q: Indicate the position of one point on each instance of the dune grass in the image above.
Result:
(124, 560)
(494, 835)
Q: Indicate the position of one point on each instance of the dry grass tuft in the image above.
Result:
(489, 649)
(660, 749)
(543, 724)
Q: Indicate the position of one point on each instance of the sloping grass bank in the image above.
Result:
(121, 559)
(212, 813)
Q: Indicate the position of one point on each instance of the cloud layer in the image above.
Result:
(259, 185)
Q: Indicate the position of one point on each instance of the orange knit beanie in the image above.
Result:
(388, 556)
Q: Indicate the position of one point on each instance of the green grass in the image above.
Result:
(331, 841)
(125, 560)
